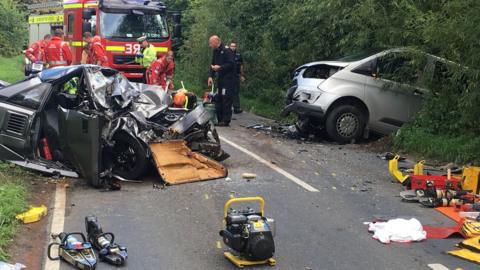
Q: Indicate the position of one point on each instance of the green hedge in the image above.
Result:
(13, 28)
(275, 37)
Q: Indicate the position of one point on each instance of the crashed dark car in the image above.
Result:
(92, 121)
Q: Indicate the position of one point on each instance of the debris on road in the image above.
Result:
(160, 186)
(34, 214)
(177, 164)
(260, 127)
(286, 130)
(249, 176)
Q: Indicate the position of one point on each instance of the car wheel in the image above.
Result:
(345, 123)
(129, 159)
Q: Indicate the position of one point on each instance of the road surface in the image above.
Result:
(320, 194)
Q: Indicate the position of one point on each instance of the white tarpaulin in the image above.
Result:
(397, 230)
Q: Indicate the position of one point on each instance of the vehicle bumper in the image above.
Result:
(303, 109)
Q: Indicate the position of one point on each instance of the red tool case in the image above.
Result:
(439, 181)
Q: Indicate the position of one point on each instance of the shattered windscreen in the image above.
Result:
(100, 86)
(124, 88)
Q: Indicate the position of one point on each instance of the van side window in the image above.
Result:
(70, 23)
(365, 68)
(401, 67)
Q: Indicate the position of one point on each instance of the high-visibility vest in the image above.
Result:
(149, 55)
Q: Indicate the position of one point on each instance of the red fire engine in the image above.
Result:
(119, 23)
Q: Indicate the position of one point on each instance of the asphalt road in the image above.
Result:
(177, 227)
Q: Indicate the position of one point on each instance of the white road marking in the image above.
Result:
(272, 166)
(58, 222)
(437, 266)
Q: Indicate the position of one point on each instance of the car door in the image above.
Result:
(390, 91)
(80, 138)
(20, 126)
(18, 118)
(81, 142)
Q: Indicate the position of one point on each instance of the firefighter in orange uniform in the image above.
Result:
(98, 53)
(161, 71)
(57, 52)
(36, 52)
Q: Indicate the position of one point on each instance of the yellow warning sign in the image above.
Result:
(53, 18)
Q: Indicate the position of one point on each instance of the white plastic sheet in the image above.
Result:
(398, 230)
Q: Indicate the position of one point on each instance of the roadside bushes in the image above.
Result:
(275, 37)
(13, 29)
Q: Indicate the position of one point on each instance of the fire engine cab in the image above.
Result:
(119, 23)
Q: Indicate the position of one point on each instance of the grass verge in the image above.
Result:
(13, 192)
(11, 69)
(463, 149)
(13, 200)
(260, 108)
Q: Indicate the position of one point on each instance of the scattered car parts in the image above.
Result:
(177, 164)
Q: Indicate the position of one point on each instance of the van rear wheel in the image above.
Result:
(345, 123)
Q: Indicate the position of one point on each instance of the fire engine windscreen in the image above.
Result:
(133, 25)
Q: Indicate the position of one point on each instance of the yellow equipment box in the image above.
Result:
(34, 214)
(470, 178)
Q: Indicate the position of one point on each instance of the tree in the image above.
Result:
(13, 29)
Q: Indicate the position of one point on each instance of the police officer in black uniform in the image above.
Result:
(223, 65)
(237, 58)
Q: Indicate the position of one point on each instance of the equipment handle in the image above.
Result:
(245, 199)
(64, 240)
(49, 251)
(107, 235)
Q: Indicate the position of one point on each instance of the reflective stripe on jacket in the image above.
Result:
(58, 53)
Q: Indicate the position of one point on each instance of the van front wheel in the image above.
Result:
(345, 124)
